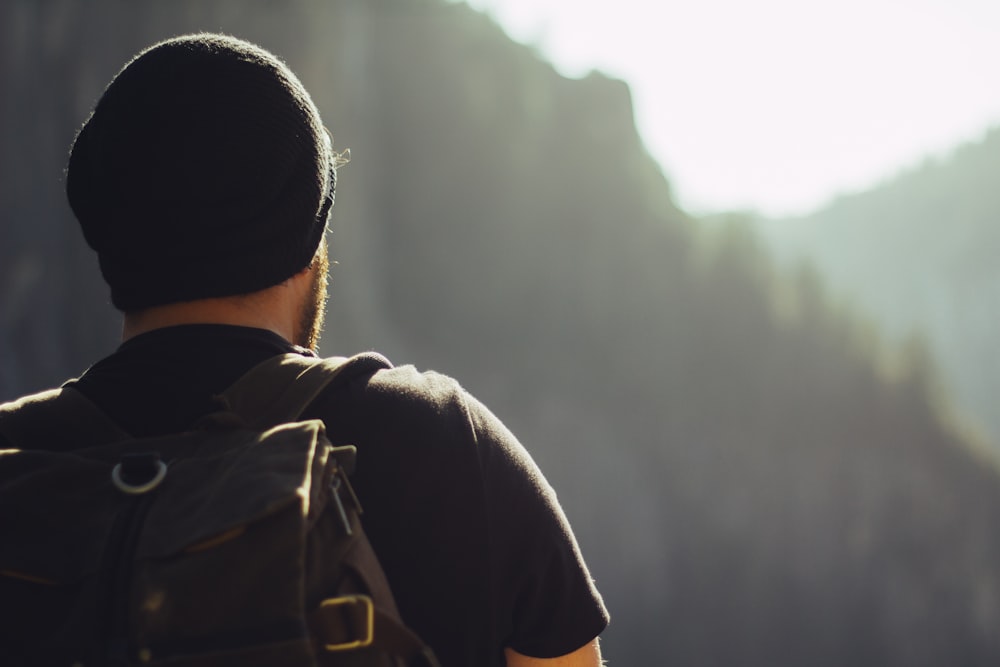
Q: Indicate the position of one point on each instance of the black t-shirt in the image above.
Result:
(472, 539)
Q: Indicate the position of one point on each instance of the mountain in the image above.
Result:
(747, 483)
(917, 256)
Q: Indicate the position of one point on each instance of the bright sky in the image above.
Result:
(778, 105)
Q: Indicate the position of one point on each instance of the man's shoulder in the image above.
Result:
(57, 419)
(403, 410)
(409, 385)
(36, 405)
(409, 394)
(26, 414)
(29, 401)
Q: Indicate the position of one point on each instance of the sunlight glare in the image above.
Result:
(779, 105)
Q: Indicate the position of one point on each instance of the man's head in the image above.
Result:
(204, 172)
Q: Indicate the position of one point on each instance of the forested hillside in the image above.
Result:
(917, 255)
(748, 487)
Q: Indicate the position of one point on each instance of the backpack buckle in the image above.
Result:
(346, 623)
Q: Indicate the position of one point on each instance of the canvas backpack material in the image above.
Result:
(238, 542)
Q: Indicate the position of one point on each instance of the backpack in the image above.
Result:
(238, 542)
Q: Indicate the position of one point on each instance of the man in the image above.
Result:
(203, 180)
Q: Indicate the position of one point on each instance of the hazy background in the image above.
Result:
(776, 105)
(766, 407)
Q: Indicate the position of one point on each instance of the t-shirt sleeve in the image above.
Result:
(547, 603)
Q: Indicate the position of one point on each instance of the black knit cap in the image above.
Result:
(204, 171)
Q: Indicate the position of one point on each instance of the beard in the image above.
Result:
(314, 309)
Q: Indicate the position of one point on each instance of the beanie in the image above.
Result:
(203, 171)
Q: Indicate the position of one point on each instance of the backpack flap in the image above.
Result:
(220, 563)
(237, 477)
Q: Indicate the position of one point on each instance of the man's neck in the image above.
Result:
(249, 311)
(278, 308)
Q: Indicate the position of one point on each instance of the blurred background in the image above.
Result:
(726, 269)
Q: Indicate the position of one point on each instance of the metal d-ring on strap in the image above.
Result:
(137, 489)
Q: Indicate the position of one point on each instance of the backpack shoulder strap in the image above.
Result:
(57, 420)
(280, 388)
